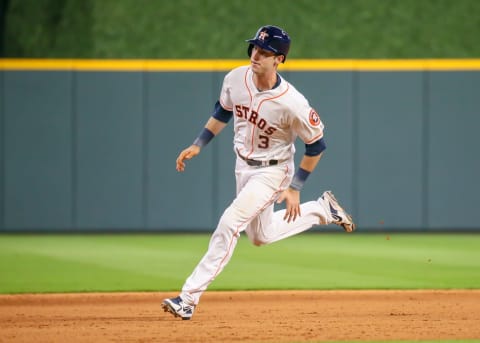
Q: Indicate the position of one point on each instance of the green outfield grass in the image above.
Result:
(156, 262)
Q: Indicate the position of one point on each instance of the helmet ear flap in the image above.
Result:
(250, 48)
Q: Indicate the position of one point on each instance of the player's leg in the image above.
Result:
(270, 226)
(258, 193)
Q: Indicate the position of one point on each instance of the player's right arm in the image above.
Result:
(215, 124)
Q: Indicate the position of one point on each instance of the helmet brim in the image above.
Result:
(262, 45)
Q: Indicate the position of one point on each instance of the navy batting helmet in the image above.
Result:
(271, 38)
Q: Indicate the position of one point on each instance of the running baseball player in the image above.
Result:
(269, 114)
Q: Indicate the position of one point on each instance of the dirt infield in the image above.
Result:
(279, 316)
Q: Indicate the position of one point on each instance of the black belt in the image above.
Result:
(256, 163)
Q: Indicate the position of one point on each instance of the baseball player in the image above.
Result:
(268, 114)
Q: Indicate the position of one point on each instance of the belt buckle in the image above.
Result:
(255, 163)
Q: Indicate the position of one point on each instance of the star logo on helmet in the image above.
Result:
(262, 35)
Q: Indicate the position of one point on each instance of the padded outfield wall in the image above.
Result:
(91, 145)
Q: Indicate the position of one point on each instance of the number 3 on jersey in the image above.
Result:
(254, 118)
(264, 140)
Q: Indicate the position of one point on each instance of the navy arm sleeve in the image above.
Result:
(315, 148)
(221, 114)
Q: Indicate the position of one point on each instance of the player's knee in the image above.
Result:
(258, 242)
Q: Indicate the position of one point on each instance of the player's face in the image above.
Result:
(263, 61)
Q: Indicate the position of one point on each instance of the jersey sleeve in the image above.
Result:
(307, 123)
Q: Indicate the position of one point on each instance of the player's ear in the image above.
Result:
(279, 59)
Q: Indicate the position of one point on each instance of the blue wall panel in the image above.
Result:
(454, 157)
(109, 150)
(37, 158)
(97, 150)
(389, 150)
(178, 106)
(224, 160)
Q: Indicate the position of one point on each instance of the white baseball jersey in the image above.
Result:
(267, 123)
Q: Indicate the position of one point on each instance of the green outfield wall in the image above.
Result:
(217, 29)
(91, 145)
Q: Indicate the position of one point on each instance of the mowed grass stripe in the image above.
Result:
(160, 262)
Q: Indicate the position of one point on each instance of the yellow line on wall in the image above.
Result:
(225, 65)
(386, 65)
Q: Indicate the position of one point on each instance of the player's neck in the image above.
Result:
(265, 82)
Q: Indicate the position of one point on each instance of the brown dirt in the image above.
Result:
(261, 316)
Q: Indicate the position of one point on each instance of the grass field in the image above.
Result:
(161, 262)
(156, 262)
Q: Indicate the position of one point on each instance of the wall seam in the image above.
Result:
(215, 163)
(145, 150)
(425, 148)
(355, 146)
(74, 152)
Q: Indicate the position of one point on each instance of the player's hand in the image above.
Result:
(292, 204)
(186, 154)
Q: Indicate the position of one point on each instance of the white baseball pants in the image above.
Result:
(252, 211)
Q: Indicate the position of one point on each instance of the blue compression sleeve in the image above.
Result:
(299, 179)
(221, 114)
(315, 148)
(203, 138)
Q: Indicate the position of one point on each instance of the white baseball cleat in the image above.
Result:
(178, 308)
(339, 215)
